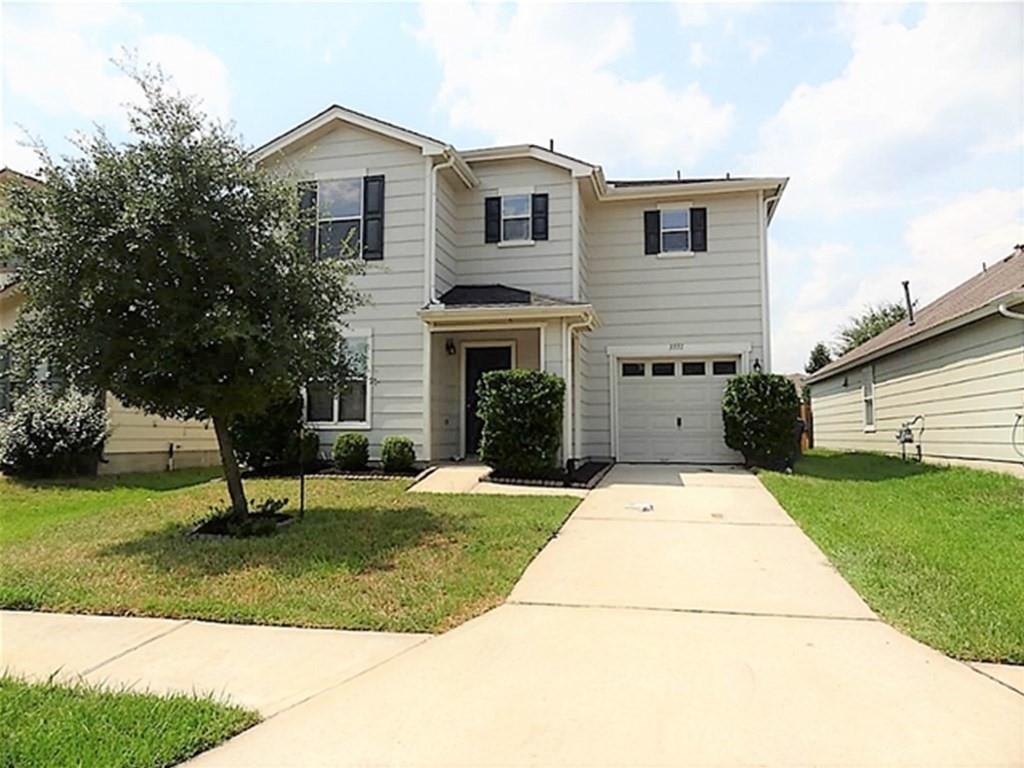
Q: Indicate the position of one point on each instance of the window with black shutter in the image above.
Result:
(675, 230)
(519, 218)
(343, 218)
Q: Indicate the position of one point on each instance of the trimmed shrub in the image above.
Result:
(308, 443)
(50, 433)
(351, 451)
(522, 415)
(397, 454)
(266, 439)
(760, 412)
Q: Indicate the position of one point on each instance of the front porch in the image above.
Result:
(465, 342)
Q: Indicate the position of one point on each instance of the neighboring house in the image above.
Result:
(645, 296)
(137, 441)
(959, 367)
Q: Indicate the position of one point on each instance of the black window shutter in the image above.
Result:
(307, 207)
(492, 219)
(539, 205)
(373, 218)
(652, 232)
(698, 229)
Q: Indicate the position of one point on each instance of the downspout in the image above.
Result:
(432, 249)
(1016, 443)
(572, 444)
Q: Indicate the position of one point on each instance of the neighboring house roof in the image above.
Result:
(978, 297)
(9, 174)
(461, 159)
(8, 280)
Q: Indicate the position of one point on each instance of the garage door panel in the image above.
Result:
(648, 410)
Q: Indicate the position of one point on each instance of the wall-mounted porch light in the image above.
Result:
(449, 346)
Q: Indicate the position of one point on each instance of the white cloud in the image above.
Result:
(941, 248)
(913, 101)
(59, 58)
(543, 71)
(698, 56)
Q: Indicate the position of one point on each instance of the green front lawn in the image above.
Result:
(367, 556)
(51, 726)
(938, 552)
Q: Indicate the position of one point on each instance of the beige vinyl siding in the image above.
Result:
(133, 432)
(395, 285)
(968, 384)
(545, 266)
(712, 297)
(447, 231)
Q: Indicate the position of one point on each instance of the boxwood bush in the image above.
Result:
(760, 412)
(351, 451)
(522, 415)
(52, 433)
(397, 454)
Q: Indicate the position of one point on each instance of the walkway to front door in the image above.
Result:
(480, 358)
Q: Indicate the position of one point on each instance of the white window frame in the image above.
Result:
(868, 397)
(359, 176)
(663, 209)
(526, 192)
(335, 423)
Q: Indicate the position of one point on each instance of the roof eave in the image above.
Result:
(683, 190)
(441, 313)
(335, 112)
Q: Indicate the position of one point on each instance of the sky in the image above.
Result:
(901, 127)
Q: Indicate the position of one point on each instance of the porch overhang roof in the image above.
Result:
(496, 314)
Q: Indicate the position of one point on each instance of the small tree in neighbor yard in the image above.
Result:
(522, 415)
(820, 357)
(171, 271)
(871, 322)
(760, 412)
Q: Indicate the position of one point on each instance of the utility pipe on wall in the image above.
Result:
(432, 204)
(1018, 423)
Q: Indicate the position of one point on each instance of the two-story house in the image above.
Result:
(645, 296)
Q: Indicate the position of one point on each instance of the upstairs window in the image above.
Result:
(349, 217)
(675, 231)
(517, 218)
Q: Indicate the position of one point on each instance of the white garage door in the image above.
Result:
(671, 410)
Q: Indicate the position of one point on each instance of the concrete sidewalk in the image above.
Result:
(679, 618)
(264, 668)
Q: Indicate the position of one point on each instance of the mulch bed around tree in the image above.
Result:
(586, 476)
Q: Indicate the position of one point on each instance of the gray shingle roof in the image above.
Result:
(1000, 279)
(496, 295)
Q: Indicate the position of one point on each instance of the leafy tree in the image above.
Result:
(171, 271)
(820, 357)
(871, 322)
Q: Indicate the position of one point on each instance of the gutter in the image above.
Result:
(439, 312)
(431, 248)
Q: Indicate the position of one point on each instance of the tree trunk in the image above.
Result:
(239, 506)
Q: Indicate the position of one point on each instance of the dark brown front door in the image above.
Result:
(480, 360)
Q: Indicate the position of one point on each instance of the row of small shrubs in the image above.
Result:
(352, 452)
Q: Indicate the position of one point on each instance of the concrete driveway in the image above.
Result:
(679, 618)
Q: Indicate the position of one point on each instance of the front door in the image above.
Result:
(480, 360)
